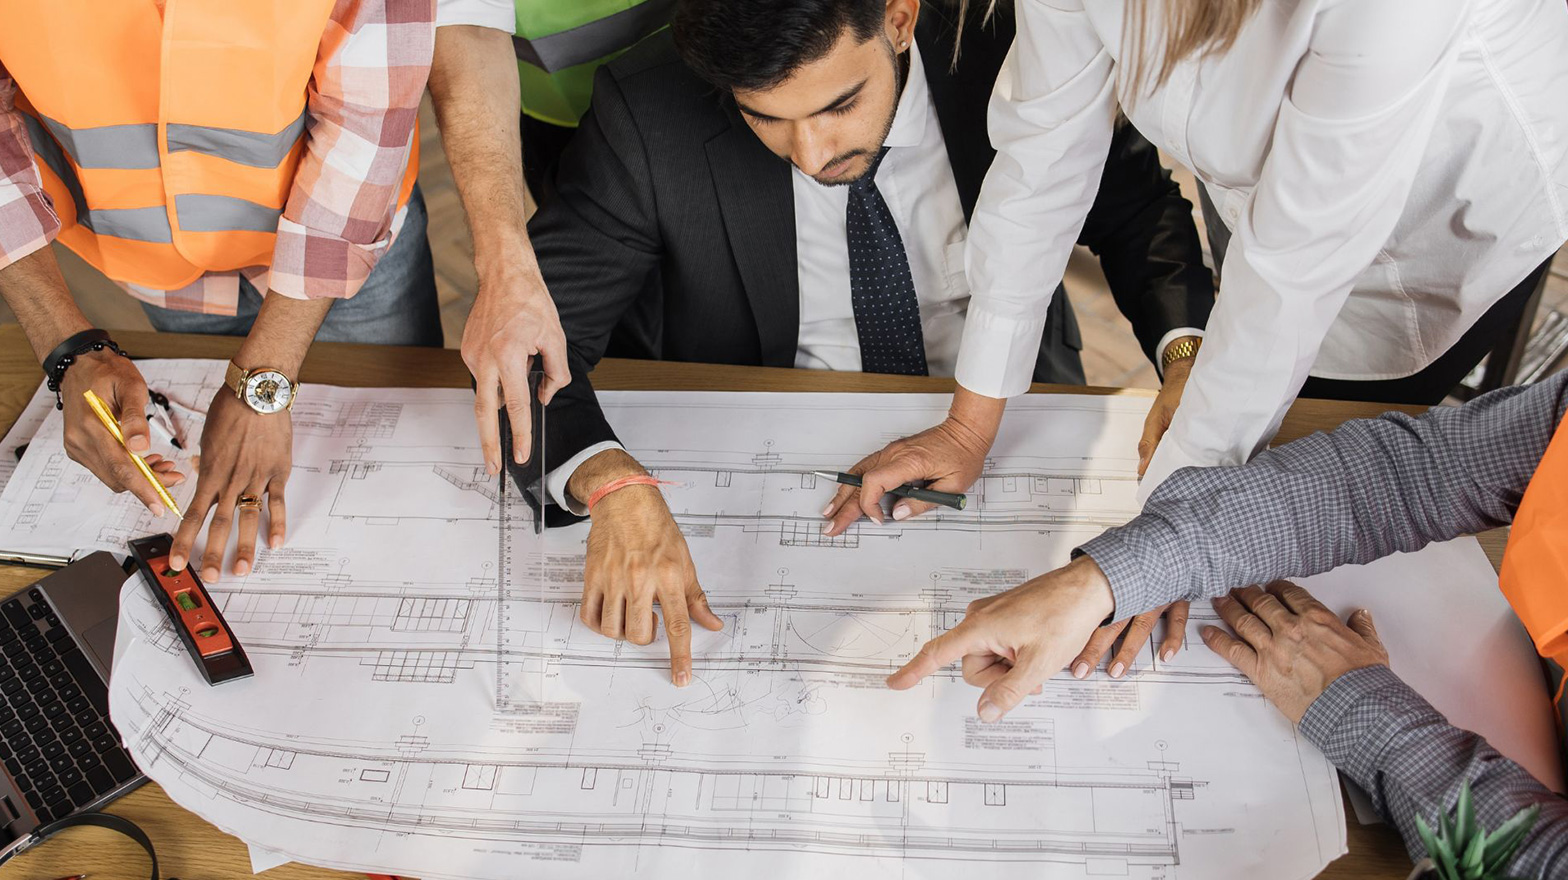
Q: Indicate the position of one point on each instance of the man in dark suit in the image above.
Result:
(788, 183)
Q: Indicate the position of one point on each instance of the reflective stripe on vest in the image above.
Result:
(595, 39)
(206, 213)
(243, 147)
(108, 146)
(1534, 574)
(137, 224)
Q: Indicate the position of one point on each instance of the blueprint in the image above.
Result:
(370, 739)
(22, 431)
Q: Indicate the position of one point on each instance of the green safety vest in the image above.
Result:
(560, 43)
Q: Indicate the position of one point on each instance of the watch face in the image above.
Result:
(268, 391)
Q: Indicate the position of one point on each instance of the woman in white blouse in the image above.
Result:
(1388, 170)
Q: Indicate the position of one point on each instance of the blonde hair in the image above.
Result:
(1191, 27)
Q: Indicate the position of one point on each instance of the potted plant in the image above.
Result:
(1462, 850)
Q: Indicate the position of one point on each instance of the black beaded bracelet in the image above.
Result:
(68, 351)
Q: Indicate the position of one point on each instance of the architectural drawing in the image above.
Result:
(369, 737)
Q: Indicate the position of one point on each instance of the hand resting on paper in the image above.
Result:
(1290, 645)
(1134, 633)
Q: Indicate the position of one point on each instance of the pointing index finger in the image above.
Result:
(519, 412)
(487, 417)
(934, 655)
(677, 628)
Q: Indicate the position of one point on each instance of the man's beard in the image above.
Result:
(900, 73)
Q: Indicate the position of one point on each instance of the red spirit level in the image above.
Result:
(200, 625)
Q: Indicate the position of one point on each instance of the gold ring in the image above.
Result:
(249, 502)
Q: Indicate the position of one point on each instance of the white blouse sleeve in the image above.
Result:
(1345, 150)
(1051, 118)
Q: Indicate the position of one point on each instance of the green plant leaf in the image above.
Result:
(1427, 838)
(1474, 858)
(1504, 842)
(1437, 849)
(1464, 819)
(1446, 863)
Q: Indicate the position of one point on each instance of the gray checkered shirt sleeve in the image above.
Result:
(1371, 488)
(1412, 762)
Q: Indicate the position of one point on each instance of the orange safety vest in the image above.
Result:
(168, 139)
(1535, 565)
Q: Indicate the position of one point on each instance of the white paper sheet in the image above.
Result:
(23, 429)
(263, 860)
(367, 739)
(368, 735)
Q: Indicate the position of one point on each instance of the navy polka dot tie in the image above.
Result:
(887, 311)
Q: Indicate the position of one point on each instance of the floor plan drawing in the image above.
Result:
(370, 736)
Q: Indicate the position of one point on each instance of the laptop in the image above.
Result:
(60, 754)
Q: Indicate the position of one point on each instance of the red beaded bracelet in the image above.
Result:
(623, 482)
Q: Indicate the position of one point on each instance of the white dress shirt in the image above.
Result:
(916, 181)
(1388, 169)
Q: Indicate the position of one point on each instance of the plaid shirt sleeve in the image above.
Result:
(361, 106)
(1412, 762)
(1369, 489)
(27, 218)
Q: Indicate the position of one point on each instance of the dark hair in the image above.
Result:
(757, 44)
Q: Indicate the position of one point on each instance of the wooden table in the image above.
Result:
(193, 850)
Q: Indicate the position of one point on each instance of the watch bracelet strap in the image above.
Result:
(234, 378)
(1185, 347)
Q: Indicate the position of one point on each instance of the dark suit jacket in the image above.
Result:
(669, 233)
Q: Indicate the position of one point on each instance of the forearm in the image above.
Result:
(282, 333)
(1412, 762)
(977, 413)
(37, 294)
(474, 87)
(1371, 488)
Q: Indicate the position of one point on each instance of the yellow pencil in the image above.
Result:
(102, 410)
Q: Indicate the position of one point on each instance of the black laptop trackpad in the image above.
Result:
(99, 642)
(86, 595)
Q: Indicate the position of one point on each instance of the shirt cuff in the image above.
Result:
(1140, 560)
(998, 352)
(1354, 718)
(310, 263)
(555, 481)
(498, 14)
(1165, 342)
(27, 224)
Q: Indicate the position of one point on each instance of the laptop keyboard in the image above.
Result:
(55, 737)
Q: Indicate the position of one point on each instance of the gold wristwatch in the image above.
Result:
(263, 389)
(1185, 347)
